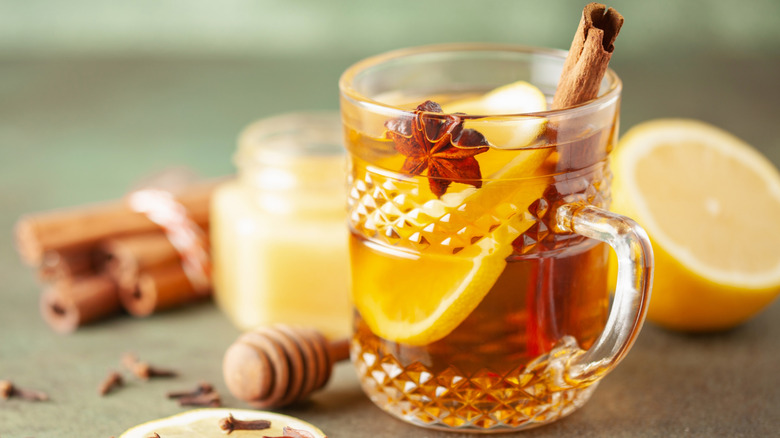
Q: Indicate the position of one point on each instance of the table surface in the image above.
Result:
(80, 130)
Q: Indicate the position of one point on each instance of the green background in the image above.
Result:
(95, 95)
(300, 28)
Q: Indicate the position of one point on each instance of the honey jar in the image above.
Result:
(278, 234)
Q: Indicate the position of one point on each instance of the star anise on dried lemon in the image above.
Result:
(437, 143)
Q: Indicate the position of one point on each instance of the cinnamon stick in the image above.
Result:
(68, 264)
(130, 255)
(579, 144)
(59, 230)
(159, 288)
(589, 55)
(67, 305)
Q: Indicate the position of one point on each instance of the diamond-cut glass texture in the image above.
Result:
(389, 209)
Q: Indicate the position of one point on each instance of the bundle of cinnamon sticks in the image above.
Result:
(95, 261)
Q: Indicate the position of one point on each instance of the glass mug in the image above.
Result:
(481, 297)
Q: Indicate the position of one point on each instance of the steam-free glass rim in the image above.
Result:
(347, 78)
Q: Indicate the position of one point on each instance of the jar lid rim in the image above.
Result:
(284, 138)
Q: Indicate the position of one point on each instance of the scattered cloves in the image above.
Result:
(210, 399)
(8, 390)
(202, 388)
(111, 382)
(31, 395)
(229, 424)
(143, 370)
(203, 395)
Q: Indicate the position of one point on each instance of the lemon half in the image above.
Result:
(711, 205)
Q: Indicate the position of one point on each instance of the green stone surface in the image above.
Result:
(81, 129)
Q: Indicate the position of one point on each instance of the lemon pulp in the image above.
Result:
(504, 132)
(710, 204)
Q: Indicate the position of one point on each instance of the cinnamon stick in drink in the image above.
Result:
(68, 305)
(578, 145)
(60, 230)
(589, 55)
(583, 71)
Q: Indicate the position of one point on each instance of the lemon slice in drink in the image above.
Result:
(505, 132)
(205, 423)
(500, 163)
(420, 298)
(711, 205)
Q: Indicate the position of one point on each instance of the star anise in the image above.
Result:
(438, 143)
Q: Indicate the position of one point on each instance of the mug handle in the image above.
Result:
(632, 290)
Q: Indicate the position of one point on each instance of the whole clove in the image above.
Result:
(204, 395)
(210, 399)
(143, 370)
(8, 390)
(111, 382)
(202, 388)
(230, 424)
(31, 395)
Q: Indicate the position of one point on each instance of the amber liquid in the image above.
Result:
(505, 367)
(494, 369)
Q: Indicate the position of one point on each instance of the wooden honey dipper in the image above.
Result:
(278, 365)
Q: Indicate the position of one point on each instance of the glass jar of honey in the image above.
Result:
(279, 244)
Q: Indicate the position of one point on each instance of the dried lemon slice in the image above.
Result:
(205, 423)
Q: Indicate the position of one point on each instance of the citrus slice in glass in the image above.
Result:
(506, 161)
(205, 423)
(711, 205)
(417, 297)
(513, 99)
